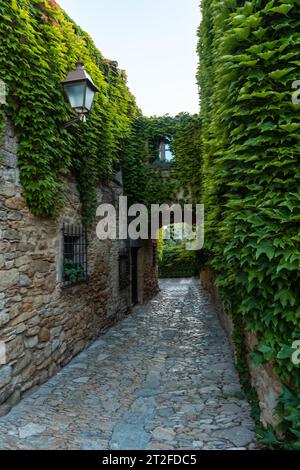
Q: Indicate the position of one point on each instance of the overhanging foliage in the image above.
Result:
(39, 44)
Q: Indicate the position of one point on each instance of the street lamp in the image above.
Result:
(80, 90)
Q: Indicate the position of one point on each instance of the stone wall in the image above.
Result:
(208, 282)
(263, 377)
(42, 323)
(266, 383)
(149, 272)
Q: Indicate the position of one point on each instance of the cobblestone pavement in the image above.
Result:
(161, 379)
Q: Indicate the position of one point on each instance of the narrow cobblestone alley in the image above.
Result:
(162, 379)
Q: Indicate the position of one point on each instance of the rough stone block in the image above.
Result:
(7, 189)
(14, 348)
(22, 363)
(8, 278)
(5, 375)
(44, 335)
(4, 319)
(25, 281)
(16, 202)
(28, 373)
(31, 342)
(41, 266)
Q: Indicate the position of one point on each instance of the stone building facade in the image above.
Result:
(44, 321)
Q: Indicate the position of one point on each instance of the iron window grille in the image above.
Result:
(124, 270)
(75, 267)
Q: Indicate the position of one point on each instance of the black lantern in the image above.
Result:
(80, 90)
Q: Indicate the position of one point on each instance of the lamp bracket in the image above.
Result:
(79, 117)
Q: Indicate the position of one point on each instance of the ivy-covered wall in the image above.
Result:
(146, 180)
(39, 44)
(249, 58)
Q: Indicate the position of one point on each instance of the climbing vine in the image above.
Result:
(146, 179)
(39, 44)
(187, 152)
(251, 175)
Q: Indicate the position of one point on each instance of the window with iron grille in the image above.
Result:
(124, 270)
(75, 254)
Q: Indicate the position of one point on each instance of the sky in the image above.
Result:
(155, 41)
